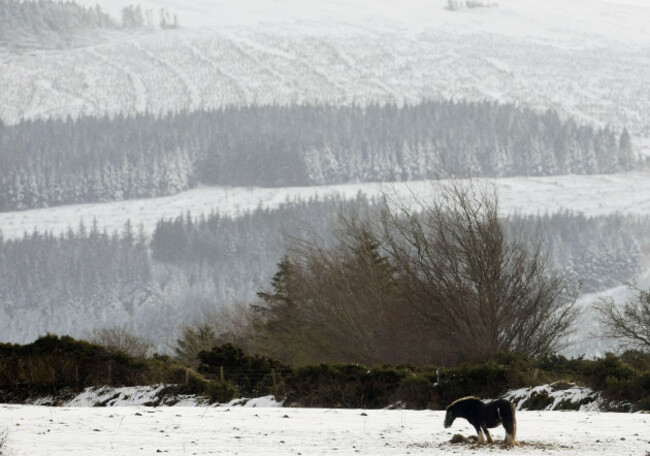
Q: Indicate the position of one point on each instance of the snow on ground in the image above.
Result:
(592, 195)
(51, 431)
(154, 395)
(571, 393)
(564, 396)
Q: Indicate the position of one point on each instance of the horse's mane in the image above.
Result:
(462, 399)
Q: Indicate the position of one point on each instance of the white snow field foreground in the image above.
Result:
(52, 431)
(591, 195)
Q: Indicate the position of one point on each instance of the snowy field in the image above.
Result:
(51, 431)
(591, 195)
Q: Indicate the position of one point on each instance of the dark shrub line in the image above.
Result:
(62, 366)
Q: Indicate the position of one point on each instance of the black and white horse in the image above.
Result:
(483, 416)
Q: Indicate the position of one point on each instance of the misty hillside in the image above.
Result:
(194, 266)
(54, 162)
(28, 25)
(47, 23)
(286, 52)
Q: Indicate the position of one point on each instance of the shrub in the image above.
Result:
(416, 392)
(488, 379)
(353, 385)
(636, 359)
(119, 339)
(342, 385)
(254, 375)
(221, 391)
(538, 401)
(53, 364)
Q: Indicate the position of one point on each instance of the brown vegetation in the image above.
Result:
(119, 339)
(228, 325)
(629, 323)
(439, 283)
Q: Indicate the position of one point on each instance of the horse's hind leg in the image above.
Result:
(511, 427)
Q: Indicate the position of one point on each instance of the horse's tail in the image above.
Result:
(509, 420)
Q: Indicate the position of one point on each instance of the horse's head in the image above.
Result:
(449, 418)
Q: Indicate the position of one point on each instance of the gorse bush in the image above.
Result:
(253, 375)
(343, 385)
(221, 391)
(52, 364)
(623, 380)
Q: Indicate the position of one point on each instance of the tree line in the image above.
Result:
(51, 23)
(194, 266)
(21, 20)
(53, 162)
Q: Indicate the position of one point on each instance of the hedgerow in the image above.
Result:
(62, 365)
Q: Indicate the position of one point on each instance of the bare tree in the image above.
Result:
(118, 338)
(481, 290)
(629, 323)
(434, 283)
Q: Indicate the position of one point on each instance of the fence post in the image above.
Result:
(221, 373)
(275, 384)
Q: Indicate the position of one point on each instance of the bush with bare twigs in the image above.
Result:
(437, 282)
(119, 339)
(629, 323)
(227, 325)
(481, 290)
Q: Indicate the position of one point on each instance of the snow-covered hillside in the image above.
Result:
(586, 339)
(550, 20)
(140, 430)
(592, 195)
(585, 58)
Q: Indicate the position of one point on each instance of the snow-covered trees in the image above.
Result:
(455, 5)
(195, 265)
(24, 21)
(132, 16)
(43, 163)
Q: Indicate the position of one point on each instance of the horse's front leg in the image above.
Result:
(487, 434)
(481, 438)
